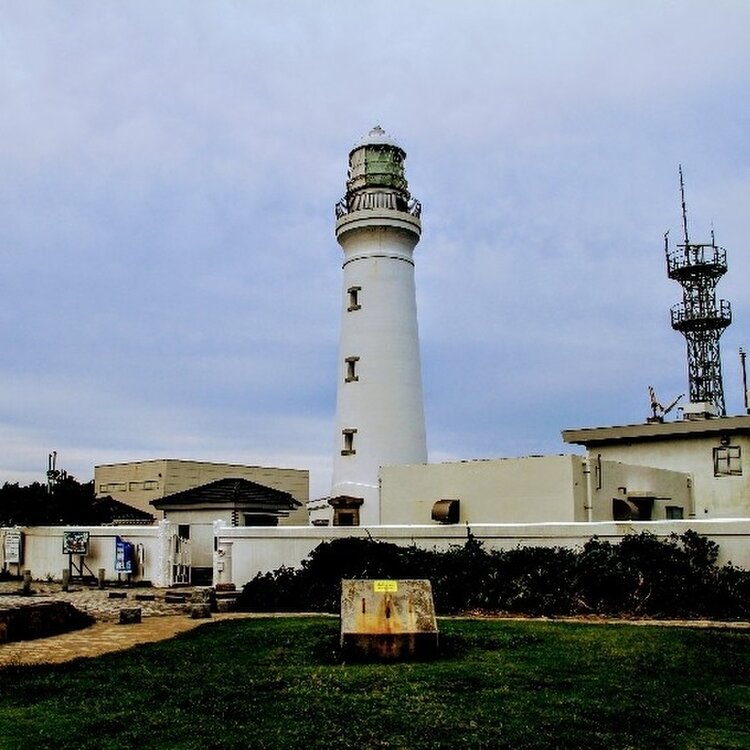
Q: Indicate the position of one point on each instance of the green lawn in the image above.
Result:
(278, 684)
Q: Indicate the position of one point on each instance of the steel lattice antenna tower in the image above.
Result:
(698, 268)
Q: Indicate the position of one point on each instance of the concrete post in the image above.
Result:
(223, 563)
(161, 571)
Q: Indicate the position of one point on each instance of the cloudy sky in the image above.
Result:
(170, 281)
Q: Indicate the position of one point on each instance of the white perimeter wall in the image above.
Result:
(259, 550)
(43, 555)
(247, 551)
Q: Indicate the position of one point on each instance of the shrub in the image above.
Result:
(641, 576)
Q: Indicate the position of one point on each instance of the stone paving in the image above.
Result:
(160, 620)
(94, 601)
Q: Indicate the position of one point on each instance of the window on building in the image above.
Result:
(183, 530)
(348, 449)
(354, 303)
(351, 369)
(727, 461)
(674, 512)
(113, 487)
(147, 484)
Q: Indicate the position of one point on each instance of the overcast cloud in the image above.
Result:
(170, 280)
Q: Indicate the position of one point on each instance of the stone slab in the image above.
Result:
(388, 619)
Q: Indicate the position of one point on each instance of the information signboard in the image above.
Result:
(14, 547)
(75, 543)
(124, 555)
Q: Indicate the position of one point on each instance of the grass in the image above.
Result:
(277, 683)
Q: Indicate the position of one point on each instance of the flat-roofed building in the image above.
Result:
(137, 483)
(713, 452)
(532, 489)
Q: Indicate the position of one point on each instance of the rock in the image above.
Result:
(200, 611)
(130, 616)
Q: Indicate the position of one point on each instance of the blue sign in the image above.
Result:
(124, 556)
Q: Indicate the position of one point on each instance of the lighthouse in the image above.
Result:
(379, 405)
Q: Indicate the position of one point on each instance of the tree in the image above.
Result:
(70, 502)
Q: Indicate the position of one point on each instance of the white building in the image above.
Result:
(533, 489)
(379, 406)
(712, 452)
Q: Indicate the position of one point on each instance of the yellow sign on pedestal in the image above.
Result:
(385, 587)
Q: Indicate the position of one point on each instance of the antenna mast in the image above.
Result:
(700, 318)
(52, 473)
(684, 209)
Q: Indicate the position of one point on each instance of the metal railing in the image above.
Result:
(372, 200)
(687, 317)
(707, 257)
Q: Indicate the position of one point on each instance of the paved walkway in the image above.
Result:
(101, 638)
(96, 602)
(160, 619)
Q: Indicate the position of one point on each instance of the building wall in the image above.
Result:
(535, 489)
(139, 482)
(320, 512)
(507, 490)
(717, 497)
(135, 483)
(613, 479)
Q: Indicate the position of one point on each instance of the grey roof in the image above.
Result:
(683, 429)
(235, 492)
(109, 510)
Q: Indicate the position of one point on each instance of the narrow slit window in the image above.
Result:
(354, 303)
(348, 449)
(351, 375)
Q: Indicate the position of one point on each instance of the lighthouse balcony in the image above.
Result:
(695, 261)
(378, 200)
(706, 318)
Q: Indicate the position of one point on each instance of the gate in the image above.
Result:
(179, 561)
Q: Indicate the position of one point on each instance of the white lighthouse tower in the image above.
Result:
(379, 406)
